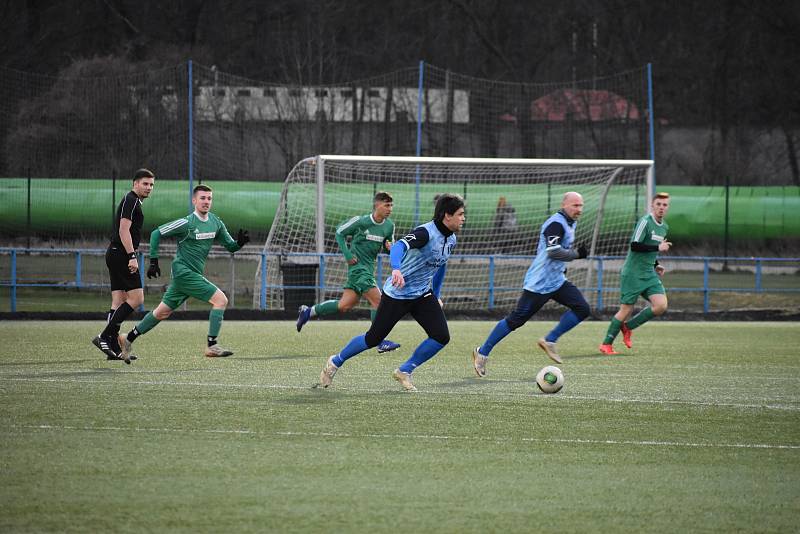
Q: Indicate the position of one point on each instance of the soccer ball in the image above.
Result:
(550, 379)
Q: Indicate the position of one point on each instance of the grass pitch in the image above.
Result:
(695, 429)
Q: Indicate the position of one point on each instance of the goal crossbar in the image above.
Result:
(492, 161)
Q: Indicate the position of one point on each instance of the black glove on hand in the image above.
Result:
(582, 253)
(243, 237)
(154, 271)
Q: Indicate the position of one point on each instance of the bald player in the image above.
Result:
(546, 280)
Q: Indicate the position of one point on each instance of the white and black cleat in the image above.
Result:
(105, 348)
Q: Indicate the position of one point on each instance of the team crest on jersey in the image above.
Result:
(441, 258)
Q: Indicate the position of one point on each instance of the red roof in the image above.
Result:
(581, 105)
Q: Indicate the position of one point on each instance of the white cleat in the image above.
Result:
(550, 349)
(326, 376)
(404, 379)
(215, 351)
(479, 362)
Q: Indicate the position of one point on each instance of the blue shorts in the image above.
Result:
(529, 303)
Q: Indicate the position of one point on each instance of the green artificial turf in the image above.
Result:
(697, 428)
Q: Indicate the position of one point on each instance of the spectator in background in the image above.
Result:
(505, 225)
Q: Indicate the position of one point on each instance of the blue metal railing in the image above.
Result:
(489, 288)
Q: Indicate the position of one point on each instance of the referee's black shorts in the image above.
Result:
(121, 278)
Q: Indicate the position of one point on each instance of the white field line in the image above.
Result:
(432, 437)
(677, 377)
(480, 392)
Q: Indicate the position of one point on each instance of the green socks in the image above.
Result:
(215, 322)
(329, 307)
(638, 320)
(613, 330)
(641, 318)
(146, 324)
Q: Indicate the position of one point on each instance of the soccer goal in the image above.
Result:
(507, 200)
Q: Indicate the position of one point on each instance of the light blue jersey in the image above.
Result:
(428, 250)
(545, 274)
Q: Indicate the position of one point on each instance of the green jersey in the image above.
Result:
(648, 232)
(195, 238)
(368, 238)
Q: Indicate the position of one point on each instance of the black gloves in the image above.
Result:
(154, 271)
(582, 252)
(243, 237)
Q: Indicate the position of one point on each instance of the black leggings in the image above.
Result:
(425, 310)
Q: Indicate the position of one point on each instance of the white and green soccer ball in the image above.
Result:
(550, 379)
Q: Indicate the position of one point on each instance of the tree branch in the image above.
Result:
(122, 17)
(476, 25)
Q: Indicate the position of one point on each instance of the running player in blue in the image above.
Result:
(544, 281)
(418, 262)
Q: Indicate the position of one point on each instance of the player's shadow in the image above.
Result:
(72, 374)
(469, 382)
(106, 371)
(463, 383)
(279, 357)
(314, 395)
(38, 362)
(162, 372)
(590, 356)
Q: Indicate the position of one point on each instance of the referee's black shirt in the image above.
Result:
(129, 208)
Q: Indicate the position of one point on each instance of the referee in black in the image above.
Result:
(123, 267)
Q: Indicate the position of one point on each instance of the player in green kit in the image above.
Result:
(641, 275)
(370, 234)
(196, 233)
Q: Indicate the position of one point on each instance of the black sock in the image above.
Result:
(121, 313)
(110, 315)
(133, 334)
(212, 340)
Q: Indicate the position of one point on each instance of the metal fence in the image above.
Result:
(59, 280)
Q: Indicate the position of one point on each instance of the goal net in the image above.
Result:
(507, 200)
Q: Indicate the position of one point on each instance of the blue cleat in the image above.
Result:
(303, 316)
(387, 346)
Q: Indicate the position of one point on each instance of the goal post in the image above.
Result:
(507, 200)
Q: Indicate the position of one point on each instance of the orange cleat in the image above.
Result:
(607, 349)
(626, 335)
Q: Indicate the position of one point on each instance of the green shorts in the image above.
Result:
(360, 281)
(185, 284)
(631, 288)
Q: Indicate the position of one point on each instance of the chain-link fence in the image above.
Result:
(69, 144)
